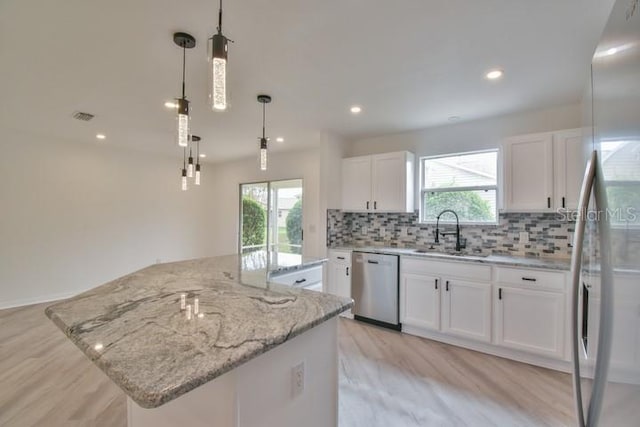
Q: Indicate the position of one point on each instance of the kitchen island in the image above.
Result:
(211, 342)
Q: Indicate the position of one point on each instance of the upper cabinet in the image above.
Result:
(542, 171)
(378, 183)
(569, 167)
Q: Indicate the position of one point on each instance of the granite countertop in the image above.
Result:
(134, 329)
(561, 264)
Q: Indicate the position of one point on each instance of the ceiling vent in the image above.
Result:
(85, 117)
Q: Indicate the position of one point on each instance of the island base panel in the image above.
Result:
(261, 392)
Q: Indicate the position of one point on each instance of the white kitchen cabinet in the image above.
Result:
(530, 320)
(568, 167)
(528, 177)
(356, 183)
(466, 309)
(530, 310)
(543, 171)
(420, 300)
(339, 272)
(378, 183)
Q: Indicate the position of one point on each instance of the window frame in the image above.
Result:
(497, 187)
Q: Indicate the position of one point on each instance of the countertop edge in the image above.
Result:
(297, 267)
(498, 260)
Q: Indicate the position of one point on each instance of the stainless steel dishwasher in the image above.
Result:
(375, 289)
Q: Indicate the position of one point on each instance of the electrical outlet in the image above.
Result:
(297, 379)
(364, 231)
(524, 237)
(382, 232)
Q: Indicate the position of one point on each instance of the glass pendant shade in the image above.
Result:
(183, 122)
(218, 72)
(197, 180)
(263, 154)
(190, 166)
(184, 180)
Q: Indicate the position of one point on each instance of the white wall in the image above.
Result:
(225, 193)
(332, 150)
(473, 135)
(75, 216)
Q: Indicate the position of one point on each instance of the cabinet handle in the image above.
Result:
(375, 204)
(372, 262)
(436, 284)
(347, 271)
(563, 202)
(300, 281)
(447, 287)
(367, 204)
(340, 257)
(529, 279)
(548, 202)
(499, 293)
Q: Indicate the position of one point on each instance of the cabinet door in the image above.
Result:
(530, 320)
(339, 282)
(420, 301)
(389, 182)
(466, 309)
(568, 165)
(356, 183)
(529, 172)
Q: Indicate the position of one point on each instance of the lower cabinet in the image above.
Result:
(420, 300)
(530, 320)
(339, 275)
(466, 309)
(518, 313)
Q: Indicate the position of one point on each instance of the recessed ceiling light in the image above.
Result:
(202, 155)
(170, 104)
(356, 109)
(454, 118)
(494, 74)
(279, 139)
(99, 346)
(101, 136)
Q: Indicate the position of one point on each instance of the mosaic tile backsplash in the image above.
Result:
(549, 234)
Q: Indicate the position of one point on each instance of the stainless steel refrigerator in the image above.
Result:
(606, 259)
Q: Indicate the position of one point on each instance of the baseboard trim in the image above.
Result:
(518, 356)
(37, 300)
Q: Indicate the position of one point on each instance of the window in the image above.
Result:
(465, 183)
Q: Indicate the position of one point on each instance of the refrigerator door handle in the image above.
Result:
(576, 261)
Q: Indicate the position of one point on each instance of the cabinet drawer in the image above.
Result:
(463, 270)
(538, 279)
(301, 279)
(341, 257)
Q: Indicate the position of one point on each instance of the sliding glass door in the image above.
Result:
(271, 216)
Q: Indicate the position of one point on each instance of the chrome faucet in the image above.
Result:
(460, 243)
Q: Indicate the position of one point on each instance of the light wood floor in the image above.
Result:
(387, 379)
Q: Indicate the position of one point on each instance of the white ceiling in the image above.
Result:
(409, 63)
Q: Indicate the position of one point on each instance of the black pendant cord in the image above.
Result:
(220, 18)
(263, 116)
(184, 60)
(197, 152)
(184, 158)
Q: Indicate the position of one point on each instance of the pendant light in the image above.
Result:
(218, 49)
(184, 170)
(190, 165)
(264, 99)
(185, 41)
(196, 139)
